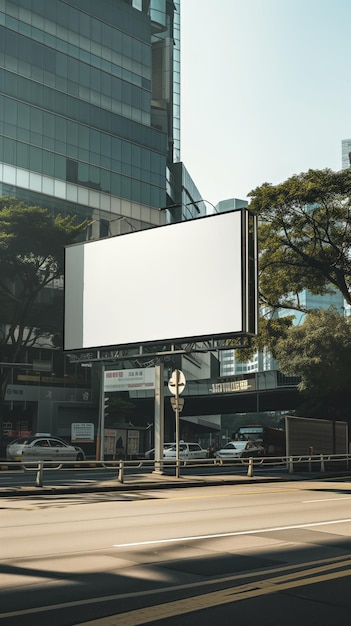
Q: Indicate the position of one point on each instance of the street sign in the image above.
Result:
(177, 404)
(176, 382)
(176, 385)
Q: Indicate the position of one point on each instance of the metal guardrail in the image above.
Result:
(290, 464)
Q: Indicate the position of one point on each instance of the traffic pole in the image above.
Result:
(177, 425)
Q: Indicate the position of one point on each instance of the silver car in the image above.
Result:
(239, 450)
(39, 448)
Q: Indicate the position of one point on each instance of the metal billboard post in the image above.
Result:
(101, 425)
(159, 417)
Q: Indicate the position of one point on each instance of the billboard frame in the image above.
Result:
(201, 343)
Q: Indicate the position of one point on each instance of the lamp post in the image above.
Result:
(119, 219)
(191, 203)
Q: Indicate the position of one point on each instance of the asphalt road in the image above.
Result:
(245, 554)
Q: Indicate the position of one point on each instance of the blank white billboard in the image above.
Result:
(181, 281)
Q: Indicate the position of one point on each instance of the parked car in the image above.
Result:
(150, 454)
(186, 451)
(44, 448)
(239, 450)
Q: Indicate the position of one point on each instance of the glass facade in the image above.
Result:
(186, 201)
(89, 126)
(76, 103)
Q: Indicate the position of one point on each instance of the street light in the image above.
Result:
(192, 203)
(119, 219)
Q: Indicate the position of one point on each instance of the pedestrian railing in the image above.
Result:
(126, 468)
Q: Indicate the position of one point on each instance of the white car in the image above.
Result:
(44, 448)
(186, 451)
(239, 450)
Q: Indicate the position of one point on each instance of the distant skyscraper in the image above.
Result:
(346, 153)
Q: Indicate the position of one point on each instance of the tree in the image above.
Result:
(304, 237)
(319, 350)
(304, 240)
(305, 243)
(32, 244)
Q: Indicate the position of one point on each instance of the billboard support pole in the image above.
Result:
(101, 424)
(159, 417)
(177, 423)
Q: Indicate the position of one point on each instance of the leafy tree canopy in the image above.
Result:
(304, 237)
(319, 350)
(32, 244)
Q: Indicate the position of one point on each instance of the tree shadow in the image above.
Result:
(314, 573)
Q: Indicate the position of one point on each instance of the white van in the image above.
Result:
(186, 451)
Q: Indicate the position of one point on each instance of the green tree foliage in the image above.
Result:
(319, 350)
(304, 240)
(305, 244)
(270, 330)
(304, 237)
(32, 244)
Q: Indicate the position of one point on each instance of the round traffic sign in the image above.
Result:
(176, 382)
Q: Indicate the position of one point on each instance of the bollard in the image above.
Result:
(39, 478)
(250, 467)
(177, 468)
(291, 465)
(322, 463)
(121, 472)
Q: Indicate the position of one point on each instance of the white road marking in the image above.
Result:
(327, 499)
(233, 534)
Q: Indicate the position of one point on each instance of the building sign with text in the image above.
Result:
(129, 380)
(83, 432)
(247, 384)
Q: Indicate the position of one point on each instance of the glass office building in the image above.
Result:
(89, 126)
(86, 107)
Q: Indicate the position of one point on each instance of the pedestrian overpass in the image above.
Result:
(249, 393)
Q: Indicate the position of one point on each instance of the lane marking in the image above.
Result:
(212, 599)
(328, 499)
(232, 534)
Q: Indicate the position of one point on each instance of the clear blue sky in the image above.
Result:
(265, 90)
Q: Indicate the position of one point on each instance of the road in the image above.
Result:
(243, 554)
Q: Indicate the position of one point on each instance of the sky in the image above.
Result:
(265, 91)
